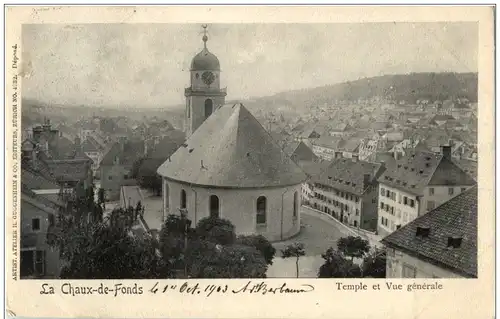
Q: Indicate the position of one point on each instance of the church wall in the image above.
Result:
(239, 206)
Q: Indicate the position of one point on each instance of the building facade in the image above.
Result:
(416, 184)
(347, 190)
(439, 244)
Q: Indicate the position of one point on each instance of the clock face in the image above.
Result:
(208, 77)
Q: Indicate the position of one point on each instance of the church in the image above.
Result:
(230, 166)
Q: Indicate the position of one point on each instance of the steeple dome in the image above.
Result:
(205, 60)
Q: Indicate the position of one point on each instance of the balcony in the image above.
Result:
(206, 91)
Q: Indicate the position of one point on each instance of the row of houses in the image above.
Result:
(423, 204)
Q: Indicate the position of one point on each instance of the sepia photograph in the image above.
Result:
(282, 161)
(272, 150)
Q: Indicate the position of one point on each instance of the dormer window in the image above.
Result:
(454, 242)
(423, 232)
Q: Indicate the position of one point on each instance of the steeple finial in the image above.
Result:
(205, 37)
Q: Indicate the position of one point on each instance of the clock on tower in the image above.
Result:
(204, 95)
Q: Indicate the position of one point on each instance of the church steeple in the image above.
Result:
(205, 37)
(204, 95)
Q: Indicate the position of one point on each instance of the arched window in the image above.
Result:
(188, 109)
(208, 108)
(295, 204)
(214, 206)
(261, 210)
(183, 199)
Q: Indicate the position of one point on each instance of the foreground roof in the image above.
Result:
(455, 218)
(231, 149)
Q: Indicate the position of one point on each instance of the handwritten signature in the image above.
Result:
(264, 288)
(250, 287)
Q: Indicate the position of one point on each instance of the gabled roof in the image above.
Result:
(70, 169)
(90, 145)
(35, 180)
(168, 145)
(418, 169)
(331, 142)
(299, 151)
(231, 149)
(348, 175)
(456, 217)
(127, 155)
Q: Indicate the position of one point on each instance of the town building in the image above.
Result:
(38, 214)
(416, 184)
(439, 244)
(347, 189)
(230, 166)
(116, 167)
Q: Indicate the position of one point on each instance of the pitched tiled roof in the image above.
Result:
(34, 180)
(349, 145)
(127, 155)
(456, 217)
(70, 169)
(232, 149)
(468, 166)
(417, 169)
(347, 175)
(331, 142)
(168, 145)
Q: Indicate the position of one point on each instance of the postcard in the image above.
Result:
(250, 161)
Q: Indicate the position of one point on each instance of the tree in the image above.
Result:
(100, 250)
(144, 172)
(337, 266)
(294, 250)
(210, 260)
(210, 250)
(353, 246)
(260, 243)
(173, 239)
(216, 230)
(101, 198)
(374, 265)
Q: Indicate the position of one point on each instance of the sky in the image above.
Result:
(147, 65)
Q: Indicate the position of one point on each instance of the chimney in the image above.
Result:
(446, 151)
(355, 157)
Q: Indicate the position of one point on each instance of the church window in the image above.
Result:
(261, 210)
(183, 198)
(295, 204)
(208, 108)
(197, 75)
(214, 206)
(189, 109)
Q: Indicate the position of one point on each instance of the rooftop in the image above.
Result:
(455, 218)
(418, 169)
(348, 175)
(231, 149)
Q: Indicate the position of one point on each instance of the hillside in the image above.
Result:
(408, 87)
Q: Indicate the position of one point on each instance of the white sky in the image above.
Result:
(147, 65)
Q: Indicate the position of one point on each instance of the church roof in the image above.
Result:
(231, 149)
